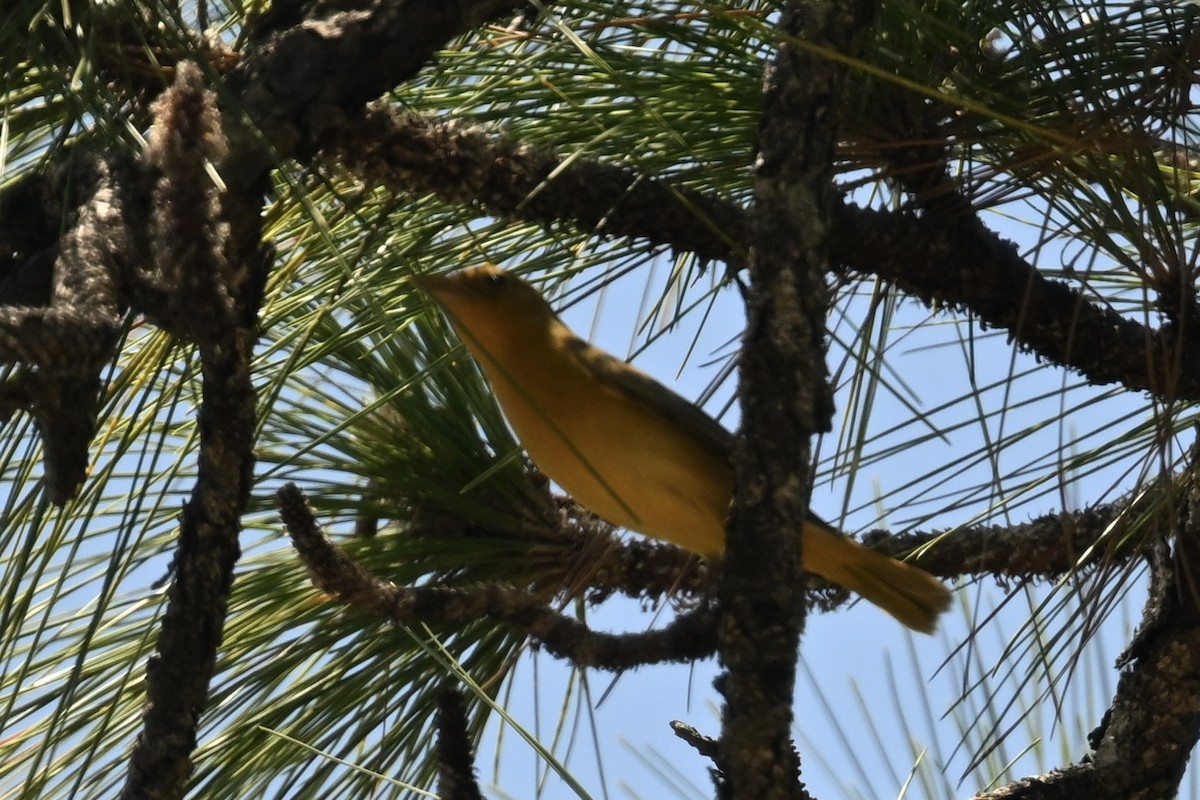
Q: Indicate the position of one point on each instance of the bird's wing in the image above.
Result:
(649, 393)
(646, 391)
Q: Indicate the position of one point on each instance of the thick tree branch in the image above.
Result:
(959, 263)
(1147, 736)
(956, 263)
(456, 756)
(310, 65)
(477, 168)
(297, 81)
(1047, 546)
(218, 309)
(688, 637)
(785, 399)
(63, 347)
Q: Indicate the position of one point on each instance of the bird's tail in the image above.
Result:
(908, 593)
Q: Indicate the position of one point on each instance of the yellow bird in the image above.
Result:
(631, 450)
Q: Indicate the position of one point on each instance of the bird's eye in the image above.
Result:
(497, 280)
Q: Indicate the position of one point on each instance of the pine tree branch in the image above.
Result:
(689, 637)
(785, 399)
(475, 167)
(951, 262)
(64, 346)
(961, 264)
(456, 757)
(1045, 547)
(1143, 744)
(217, 305)
(310, 65)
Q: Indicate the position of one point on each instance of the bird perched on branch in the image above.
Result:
(629, 449)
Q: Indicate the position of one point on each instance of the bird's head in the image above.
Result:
(488, 304)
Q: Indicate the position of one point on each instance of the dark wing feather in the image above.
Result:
(651, 394)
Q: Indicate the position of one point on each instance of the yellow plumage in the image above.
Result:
(631, 450)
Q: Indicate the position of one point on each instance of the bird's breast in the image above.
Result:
(621, 461)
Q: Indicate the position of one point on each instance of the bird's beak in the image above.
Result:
(436, 285)
(449, 290)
